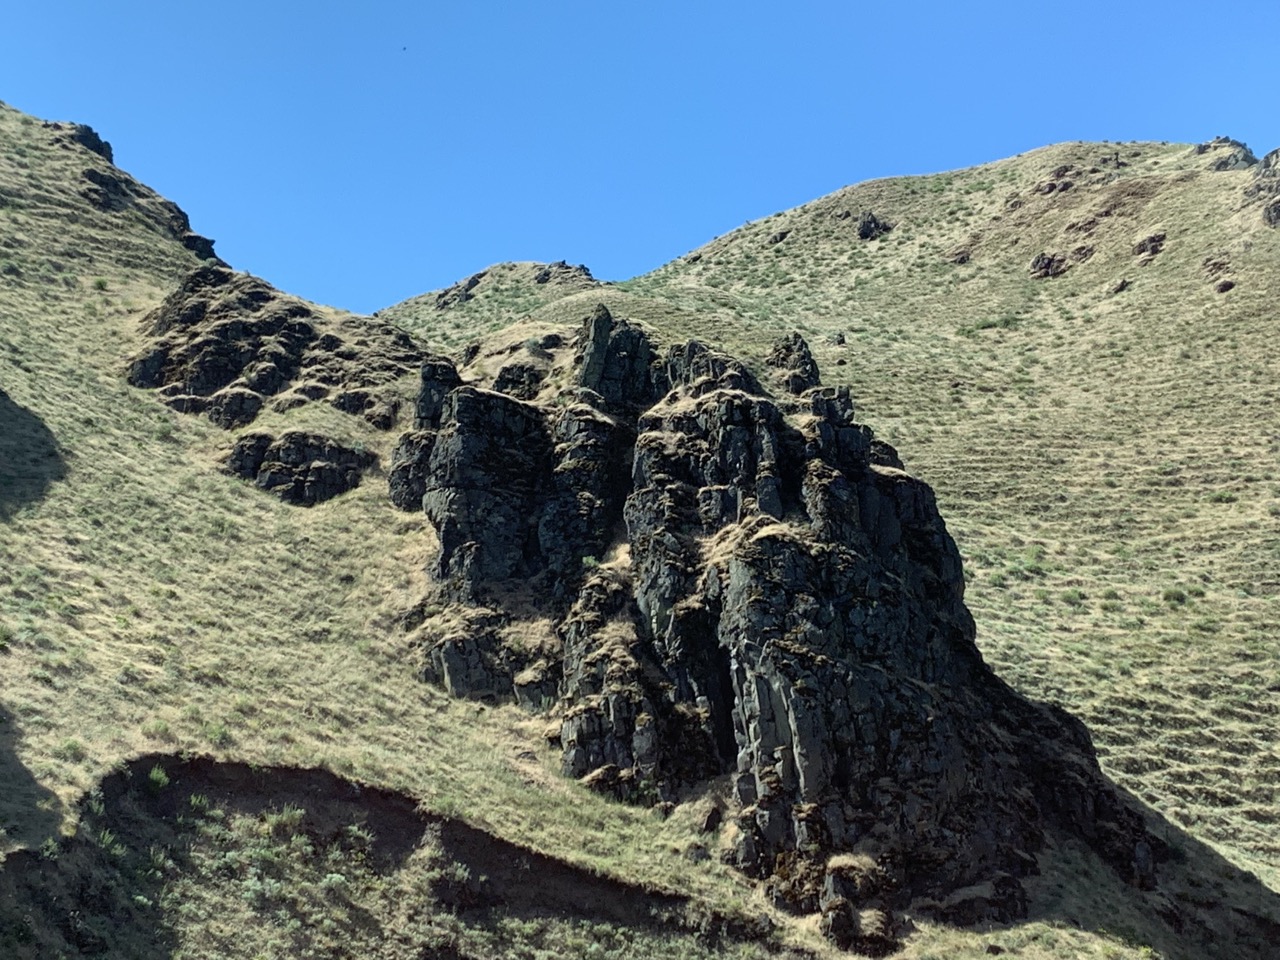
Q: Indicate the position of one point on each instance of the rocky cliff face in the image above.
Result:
(749, 584)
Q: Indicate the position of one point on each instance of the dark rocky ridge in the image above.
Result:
(111, 190)
(84, 135)
(223, 344)
(751, 585)
(1228, 154)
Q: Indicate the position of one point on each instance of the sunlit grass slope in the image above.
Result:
(1104, 460)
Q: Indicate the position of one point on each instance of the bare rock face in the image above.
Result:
(223, 344)
(871, 227)
(299, 468)
(616, 361)
(409, 464)
(792, 356)
(752, 585)
(1227, 153)
(1266, 186)
(484, 476)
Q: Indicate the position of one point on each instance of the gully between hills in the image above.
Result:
(743, 582)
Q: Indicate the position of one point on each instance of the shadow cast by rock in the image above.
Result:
(29, 811)
(161, 822)
(29, 457)
(1202, 905)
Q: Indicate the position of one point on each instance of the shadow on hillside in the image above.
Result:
(29, 457)
(1203, 906)
(29, 812)
(103, 890)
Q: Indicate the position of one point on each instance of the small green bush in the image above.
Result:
(157, 779)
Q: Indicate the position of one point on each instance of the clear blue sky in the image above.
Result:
(361, 153)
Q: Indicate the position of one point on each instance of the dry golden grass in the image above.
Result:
(1103, 461)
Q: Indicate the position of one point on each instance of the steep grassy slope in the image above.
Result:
(152, 605)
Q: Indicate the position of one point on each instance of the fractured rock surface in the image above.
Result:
(223, 344)
(1266, 185)
(752, 585)
(300, 468)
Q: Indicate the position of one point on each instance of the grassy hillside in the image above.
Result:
(1105, 458)
(1104, 461)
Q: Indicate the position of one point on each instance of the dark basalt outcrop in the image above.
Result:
(223, 344)
(1047, 265)
(792, 356)
(1228, 154)
(871, 227)
(300, 468)
(82, 134)
(867, 225)
(562, 273)
(752, 585)
(1266, 186)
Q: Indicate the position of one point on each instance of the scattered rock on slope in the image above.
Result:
(751, 585)
(224, 343)
(1046, 265)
